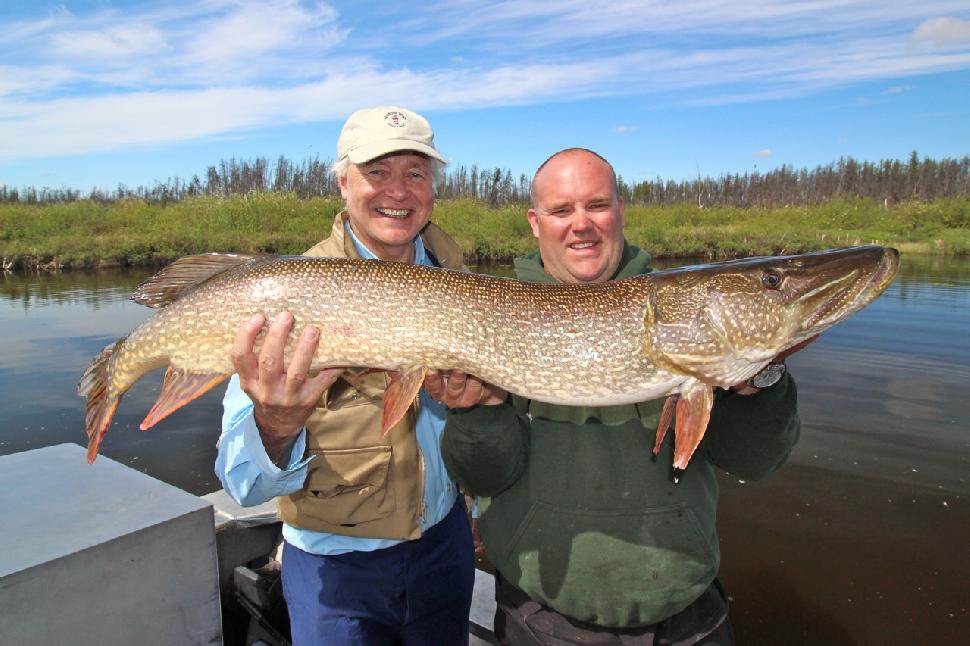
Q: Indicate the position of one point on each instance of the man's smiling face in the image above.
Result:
(389, 200)
(577, 218)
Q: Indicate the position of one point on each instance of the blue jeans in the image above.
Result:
(415, 593)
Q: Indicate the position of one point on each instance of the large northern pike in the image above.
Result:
(678, 333)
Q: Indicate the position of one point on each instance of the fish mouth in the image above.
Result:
(881, 278)
(885, 273)
(836, 309)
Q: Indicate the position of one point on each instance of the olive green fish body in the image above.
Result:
(672, 332)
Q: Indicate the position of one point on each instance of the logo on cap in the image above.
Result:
(395, 119)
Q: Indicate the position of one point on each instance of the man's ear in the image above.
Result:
(533, 221)
(342, 184)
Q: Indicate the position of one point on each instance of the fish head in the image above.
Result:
(724, 321)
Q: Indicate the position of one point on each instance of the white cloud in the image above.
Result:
(116, 42)
(182, 45)
(764, 152)
(19, 31)
(943, 32)
(108, 80)
(23, 80)
(257, 39)
(545, 22)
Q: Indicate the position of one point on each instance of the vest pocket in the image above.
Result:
(349, 486)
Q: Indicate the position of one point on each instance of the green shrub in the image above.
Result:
(88, 232)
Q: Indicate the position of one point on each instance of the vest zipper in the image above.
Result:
(422, 507)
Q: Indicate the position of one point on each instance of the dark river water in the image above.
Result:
(862, 538)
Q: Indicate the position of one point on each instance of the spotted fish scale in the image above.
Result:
(678, 332)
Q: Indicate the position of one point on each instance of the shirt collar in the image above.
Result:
(420, 254)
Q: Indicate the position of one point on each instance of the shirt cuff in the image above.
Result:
(261, 460)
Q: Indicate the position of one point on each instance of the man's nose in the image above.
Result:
(397, 187)
(581, 221)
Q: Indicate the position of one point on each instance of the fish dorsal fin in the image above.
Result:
(185, 273)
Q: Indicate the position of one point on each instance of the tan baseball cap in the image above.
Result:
(373, 132)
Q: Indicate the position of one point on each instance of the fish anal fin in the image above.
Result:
(666, 416)
(693, 414)
(399, 395)
(171, 282)
(178, 389)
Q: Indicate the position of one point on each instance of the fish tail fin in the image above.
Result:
(179, 387)
(399, 395)
(101, 405)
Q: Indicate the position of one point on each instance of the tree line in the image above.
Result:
(887, 181)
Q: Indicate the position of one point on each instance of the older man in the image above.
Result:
(377, 547)
(592, 540)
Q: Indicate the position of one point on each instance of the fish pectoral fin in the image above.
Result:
(693, 414)
(666, 416)
(399, 395)
(178, 389)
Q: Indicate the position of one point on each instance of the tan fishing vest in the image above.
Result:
(359, 484)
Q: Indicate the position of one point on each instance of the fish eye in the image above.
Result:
(771, 279)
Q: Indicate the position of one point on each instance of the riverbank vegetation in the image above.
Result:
(130, 231)
(917, 205)
(890, 182)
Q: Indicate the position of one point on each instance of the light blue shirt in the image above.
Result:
(250, 477)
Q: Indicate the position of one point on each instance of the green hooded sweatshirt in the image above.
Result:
(577, 512)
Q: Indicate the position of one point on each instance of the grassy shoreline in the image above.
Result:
(89, 233)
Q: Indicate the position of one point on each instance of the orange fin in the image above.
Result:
(173, 281)
(666, 416)
(693, 414)
(399, 395)
(178, 389)
(101, 406)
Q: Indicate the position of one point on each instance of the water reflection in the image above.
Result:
(94, 288)
(53, 325)
(859, 539)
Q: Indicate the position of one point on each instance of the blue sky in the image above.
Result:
(101, 93)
